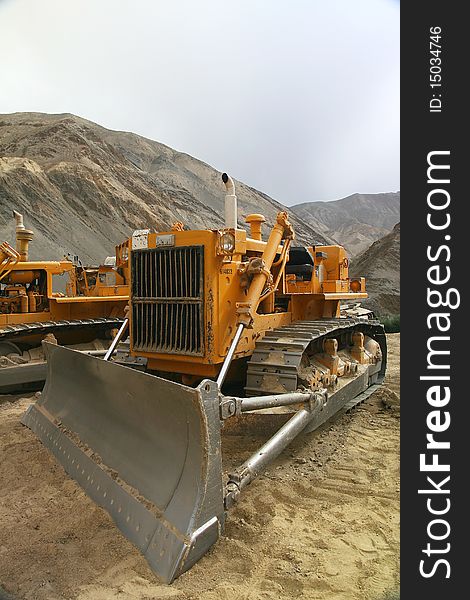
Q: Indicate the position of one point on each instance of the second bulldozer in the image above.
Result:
(228, 324)
(59, 300)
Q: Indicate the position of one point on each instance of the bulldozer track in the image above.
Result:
(273, 366)
(14, 332)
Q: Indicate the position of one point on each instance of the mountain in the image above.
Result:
(83, 188)
(380, 264)
(355, 221)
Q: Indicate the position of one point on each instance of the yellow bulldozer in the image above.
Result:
(229, 324)
(62, 301)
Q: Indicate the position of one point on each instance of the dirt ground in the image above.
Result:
(322, 523)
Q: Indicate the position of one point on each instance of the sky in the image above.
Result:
(297, 98)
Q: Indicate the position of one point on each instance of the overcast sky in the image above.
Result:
(298, 98)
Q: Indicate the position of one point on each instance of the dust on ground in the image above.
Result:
(321, 523)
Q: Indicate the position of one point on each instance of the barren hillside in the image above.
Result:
(380, 264)
(84, 188)
(355, 221)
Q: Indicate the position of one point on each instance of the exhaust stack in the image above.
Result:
(231, 215)
(23, 237)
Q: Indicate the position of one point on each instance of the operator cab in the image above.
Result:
(301, 263)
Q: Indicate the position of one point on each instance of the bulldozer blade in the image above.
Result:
(145, 449)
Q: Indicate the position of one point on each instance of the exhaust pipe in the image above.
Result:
(23, 237)
(19, 221)
(230, 223)
(231, 216)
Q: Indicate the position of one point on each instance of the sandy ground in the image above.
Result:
(322, 523)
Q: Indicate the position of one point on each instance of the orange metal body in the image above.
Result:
(107, 300)
(224, 296)
(39, 291)
(29, 293)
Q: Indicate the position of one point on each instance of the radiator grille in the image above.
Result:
(167, 300)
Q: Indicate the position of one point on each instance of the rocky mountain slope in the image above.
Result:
(83, 188)
(355, 221)
(380, 264)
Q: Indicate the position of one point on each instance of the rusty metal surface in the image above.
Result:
(273, 366)
(168, 300)
(158, 445)
(42, 327)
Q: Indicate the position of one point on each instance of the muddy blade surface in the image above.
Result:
(156, 465)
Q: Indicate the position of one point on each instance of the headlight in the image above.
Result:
(227, 242)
